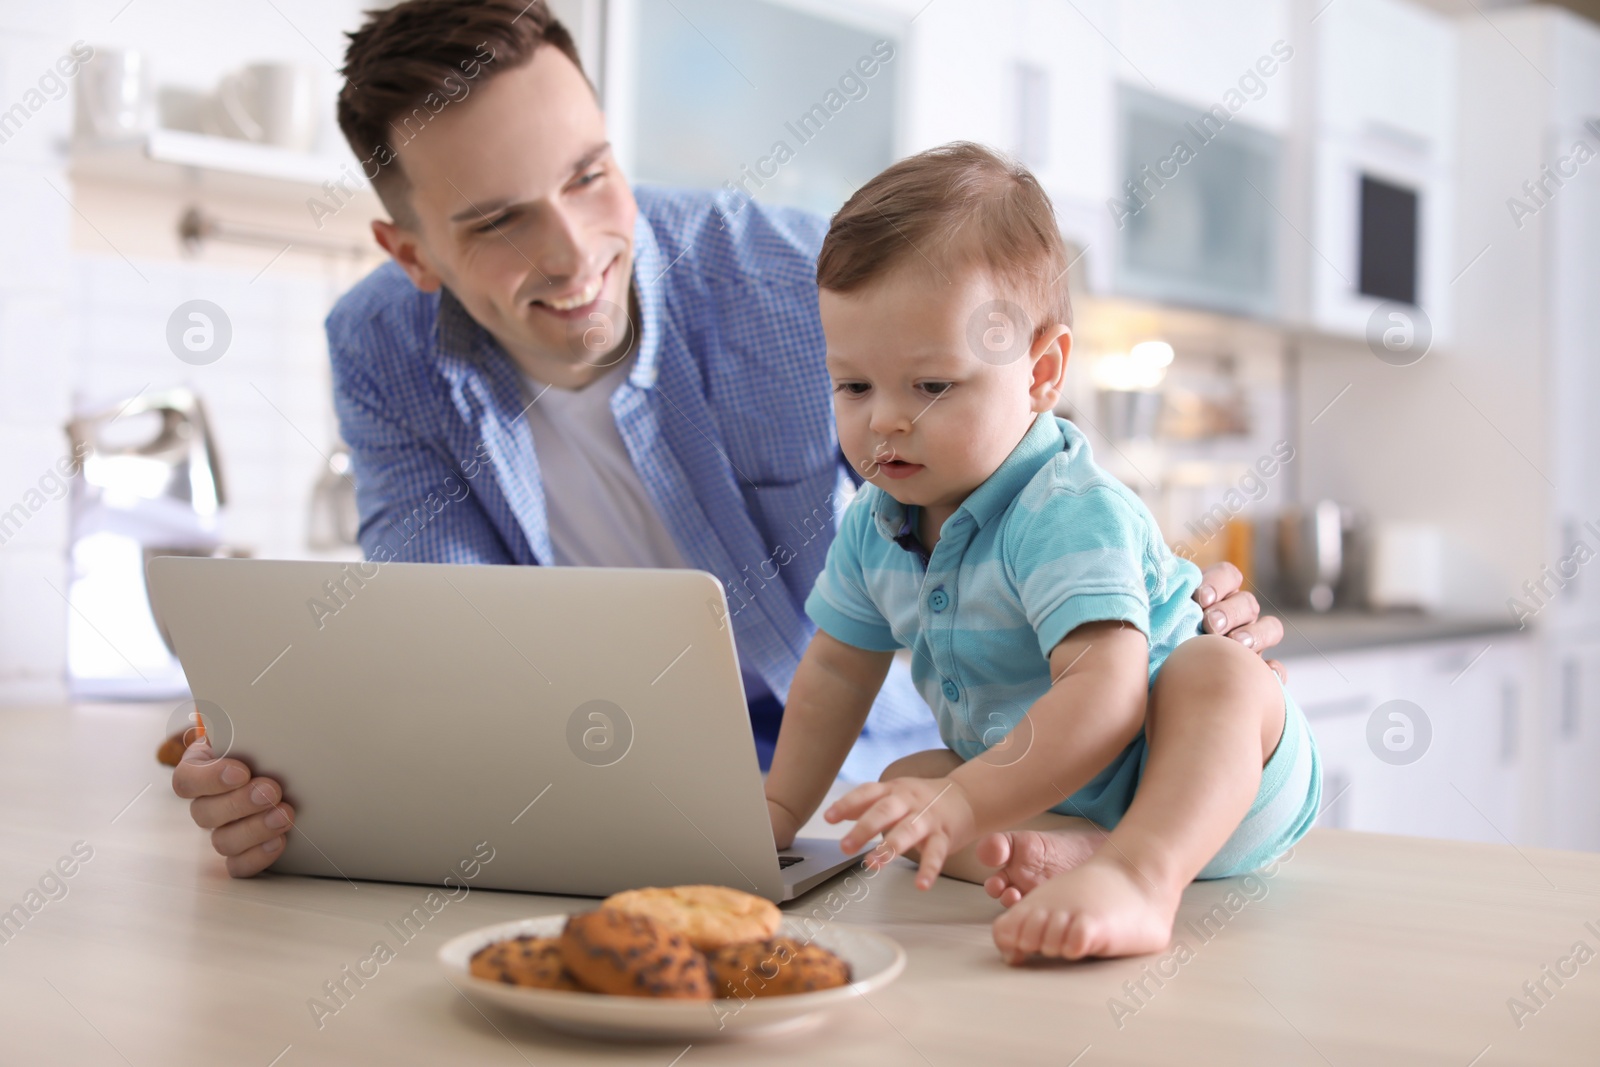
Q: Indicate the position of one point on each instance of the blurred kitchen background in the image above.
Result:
(1336, 278)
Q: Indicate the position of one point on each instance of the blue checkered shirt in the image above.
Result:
(726, 413)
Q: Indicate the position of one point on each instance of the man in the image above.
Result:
(502, 406)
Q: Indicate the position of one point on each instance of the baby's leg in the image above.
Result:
(1214, 717)
(1033, 851)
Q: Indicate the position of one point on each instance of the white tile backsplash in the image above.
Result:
(38, 121)
(33, 636)
(36, 339)
(33, 509)
(268, 397)
(37, 226)
(36, 332)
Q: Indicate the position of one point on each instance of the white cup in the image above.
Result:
(113, 95)
(270, 103)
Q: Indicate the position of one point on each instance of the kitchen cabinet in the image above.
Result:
(1202, 106)
(1032, 77)
(792, 104)
(1571, 737)
(1527, 316)
(1460, 706)
(1194, 217)
(1573, 234)
(1075, 163)
(1196, 54)
(1529, 324)
(1384, 63)
(1493, 436)
(1378, 108)
(995, 71)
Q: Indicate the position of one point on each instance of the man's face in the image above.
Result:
(919, 414)
(521, 211)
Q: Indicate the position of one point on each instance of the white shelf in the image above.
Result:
(183, 161)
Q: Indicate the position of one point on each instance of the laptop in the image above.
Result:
(584, 728)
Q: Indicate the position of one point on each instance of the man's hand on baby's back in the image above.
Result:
(932, 815)
(245, 815)
(1235, 613)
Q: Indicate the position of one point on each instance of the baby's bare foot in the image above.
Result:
(1103, 907)
(1029, 858)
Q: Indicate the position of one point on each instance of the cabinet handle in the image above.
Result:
(1335, 784)
(1571, 719)
(1509, 720)
(1329, 709)
(1569, 542)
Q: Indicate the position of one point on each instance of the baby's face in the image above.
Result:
(920, 414)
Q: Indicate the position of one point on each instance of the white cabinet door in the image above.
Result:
(1385, 64)
(1337, 694)
(1034, 78)
(1574, 462)
(1467, 785)
(1203, 55)
(1572, 724)
(1422, 739)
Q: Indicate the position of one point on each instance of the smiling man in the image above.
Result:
(557, 369)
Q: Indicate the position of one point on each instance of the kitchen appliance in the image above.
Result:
(1321, 556)
(170, 458)
(1388, 237)
(150, 482)
(1405, 567)
(335, 519)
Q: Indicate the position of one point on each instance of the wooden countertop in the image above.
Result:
(1359, 949)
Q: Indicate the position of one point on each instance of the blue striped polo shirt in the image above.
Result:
(1047, 543)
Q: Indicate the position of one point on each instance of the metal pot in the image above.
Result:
(1318, 552)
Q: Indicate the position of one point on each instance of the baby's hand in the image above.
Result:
(784, 824)
(932, 815)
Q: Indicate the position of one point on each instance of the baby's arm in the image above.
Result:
(1094, 707)
(832, 692)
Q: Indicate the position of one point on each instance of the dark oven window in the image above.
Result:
(1388, 241)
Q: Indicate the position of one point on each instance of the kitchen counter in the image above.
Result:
(1307, 633)
(1355, 949)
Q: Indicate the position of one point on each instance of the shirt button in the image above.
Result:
(950, 690)
(938, 600)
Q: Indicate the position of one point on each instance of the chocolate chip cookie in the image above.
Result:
(526, 961)
(610, 951)
(775, 968)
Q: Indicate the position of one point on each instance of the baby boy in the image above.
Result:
(1102, 753)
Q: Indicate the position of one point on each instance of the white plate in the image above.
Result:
(874, 960)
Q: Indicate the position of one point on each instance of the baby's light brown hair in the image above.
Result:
(956, 207)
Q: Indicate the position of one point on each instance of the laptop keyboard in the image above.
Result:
(785, 862)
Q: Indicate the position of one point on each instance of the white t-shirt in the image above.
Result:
(597, 508)
(595, 504)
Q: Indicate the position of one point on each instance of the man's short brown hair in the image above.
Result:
(407, 64)
(955, 207)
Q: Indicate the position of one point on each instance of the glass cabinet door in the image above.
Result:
(770, 101)
(1194, 224)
